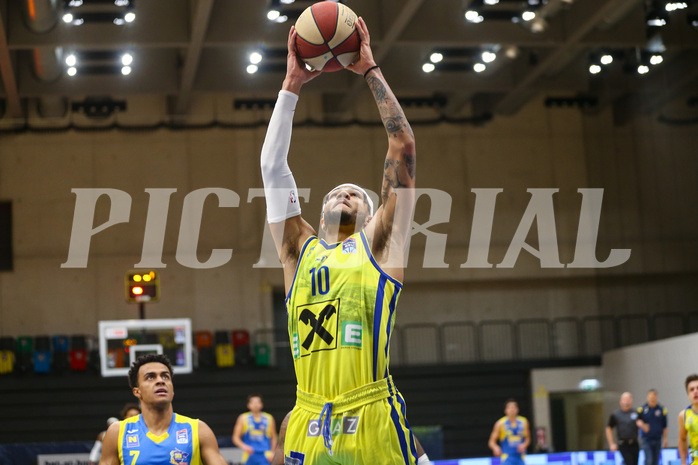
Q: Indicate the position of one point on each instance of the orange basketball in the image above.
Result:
(327, 37)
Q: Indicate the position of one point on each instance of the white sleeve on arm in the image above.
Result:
(280, 188)
(96, 452)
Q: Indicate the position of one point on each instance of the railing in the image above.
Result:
(504, 340)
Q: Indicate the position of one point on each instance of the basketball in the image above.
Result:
(327, 37)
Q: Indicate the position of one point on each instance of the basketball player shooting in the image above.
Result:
(342, 290)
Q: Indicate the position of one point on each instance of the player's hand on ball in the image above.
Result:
(365, 60)
(296, 72)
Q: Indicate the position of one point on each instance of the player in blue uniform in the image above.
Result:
(158, 436)
(510, 436)
(255, 433)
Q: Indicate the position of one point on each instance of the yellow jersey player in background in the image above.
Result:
(688, 423)
(158, 435)
(255, 433)
(342, 290)
(510, 436)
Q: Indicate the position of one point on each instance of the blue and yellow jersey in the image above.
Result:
(257, 434)
(178, 446)
(511, 435)
(690, 422)
(341, 312)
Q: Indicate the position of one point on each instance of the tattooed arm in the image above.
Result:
(390, 227)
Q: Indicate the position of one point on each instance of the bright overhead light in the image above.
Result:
(273, 15)
(643, 69)
(479, 67)
(656, 22)
(488, 57)
(672, 6)
(121, 2)
(68, 18)
(606, 59)
(473, 16)
(528, 15)
(75, 3)
(126, 70)
(594, 69)
(282, 19)
(72, 71)
(130, 17)
(287, 2)
(126, 59)
(251, 69)
(436, 57)
(428, 67)
(491, 2)
(656, 59)
(71, 59)
(255, 58)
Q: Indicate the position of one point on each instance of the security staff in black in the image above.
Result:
(625, 421)
(653, 428)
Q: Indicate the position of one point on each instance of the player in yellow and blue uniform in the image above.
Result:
(255, 433)
(510, 436)
(342, 289)
(158, 436)
(688, 423)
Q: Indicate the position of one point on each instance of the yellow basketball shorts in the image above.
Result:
(366, 426)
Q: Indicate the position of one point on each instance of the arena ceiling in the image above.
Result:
(185, 48)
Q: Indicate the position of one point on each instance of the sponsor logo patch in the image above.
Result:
(351, 333)
(344, 425)
(178, 457)
(317, 327)
(295, 458)
(349, 245)
(132, 440)
(182, 436)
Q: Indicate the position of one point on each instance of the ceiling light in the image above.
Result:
(528, 15)
(255, 58)
(121, 2)
(643, 69)
(606, 59)
(428, 67)
(479, 67)
(672, 6)
(273, 15)
(75, 3)
(488, 57)
(126, 70)
(656, 59)
(72, 71)
(538, 25)
(491, 2)
(594, 69)
(436, 57)
(287, 2)
(71, 60)
(251, 69)
(130, 17)
(656, 22)
(281, 19)
(473, 16)
(126, 59)
(68, 18)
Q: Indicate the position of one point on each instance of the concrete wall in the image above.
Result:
(661, 365)
(645, 169)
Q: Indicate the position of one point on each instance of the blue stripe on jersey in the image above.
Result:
(298, 265)
(377, 314)
(398, 430)
(397, 283)
(393, 303)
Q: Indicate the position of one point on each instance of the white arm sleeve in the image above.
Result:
(96, 452)
(279, 186)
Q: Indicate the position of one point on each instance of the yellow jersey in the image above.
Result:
(690, 422)
(341, 313)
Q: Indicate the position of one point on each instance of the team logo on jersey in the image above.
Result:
(132, 440)
(657, 413)
(317, 327)
(344, 425)
(295, 458)
(351, 333)
(349, 245)
(178, 457)
(182, 436)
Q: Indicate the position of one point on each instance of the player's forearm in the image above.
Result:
(683, 450)
(609, 436)
(392, 115)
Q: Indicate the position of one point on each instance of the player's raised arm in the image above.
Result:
(283, 204)
(391, 223)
